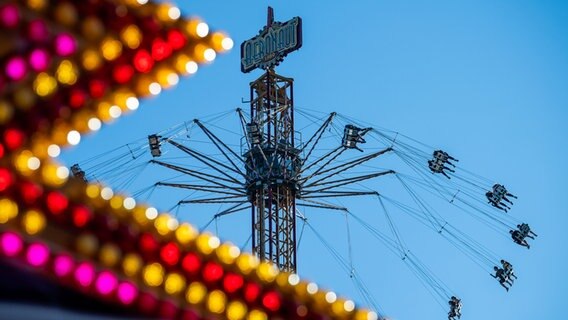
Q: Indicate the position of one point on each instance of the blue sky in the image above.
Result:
(485, 80)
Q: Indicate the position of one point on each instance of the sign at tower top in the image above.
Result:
(272, 44)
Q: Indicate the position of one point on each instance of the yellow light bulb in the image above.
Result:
(33, 222)
(44, 84)
(92, 60)
(111, 48)
(185, 233)
(216, 301)
(131, 264)
(109, 255)
(257, 315)
(8, 210)
(67, 73)
(195, 293)
(175, 283)
(236, 310)
(131, 36)
(162, 224)
(154, 274)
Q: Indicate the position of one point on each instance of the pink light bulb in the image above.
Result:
(84, 274)
(127, 292)
(106, 282)
(37, 254)
(39, 60)
(16, 68)
(9, 15)
(63, 265)
(11, 244)
(65, 44)
(37, 30)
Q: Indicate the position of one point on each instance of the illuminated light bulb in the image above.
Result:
(81, 216)
(154, 88)
(24, 98)
(330, 297)
(132, 103)
(151, 213)
(129, 203)
(257, 315)
(87, 244)
(143, 61)
(212, 272)
(85, 274)
(16, 68)
(209, 54)
(232, 282)
(349, 305)
(37, 4)
(271, 301)
(8, 210)
(127, 292)
(131, 36)
(174, 13)
(172, 224)
(267, 272)
(37, 254)
(161, 224)
(191, 67)
(196, 292)
(175, 283)
(216, 301)
(247, 262)
(94, 124)
(251, 292)
(73, 137)
(37, 30)
(92, 191)
(33, 163)
(114, 112)
(227, 43)
(66, 14)
(6, 112)
(106, 283)
(111, 48)
(21, 163)
(293, 279)
(62, 172)
(106, 193)
(39, 60)
(176, 39)
(312, 288)
(54, 175)
(142, 1)
(185, 233)
(172, 79)
(227, 253)
(202, 29)
(92, 28)
(53, 150)
(161, 49)
(33, 222)
(11, 244)
(9, 15)
(63, 265)
(131, 264)
(56, 202)
(154, 274)
(302, 311)
(170, 254)
(109, 255)
(191, 263)
(65, 44)
(122, 73)
(236, 310)
(92, 60)
(67, 73)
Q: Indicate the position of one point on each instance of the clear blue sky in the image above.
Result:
(487, 80)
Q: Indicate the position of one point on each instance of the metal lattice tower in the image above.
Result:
(273, 165)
